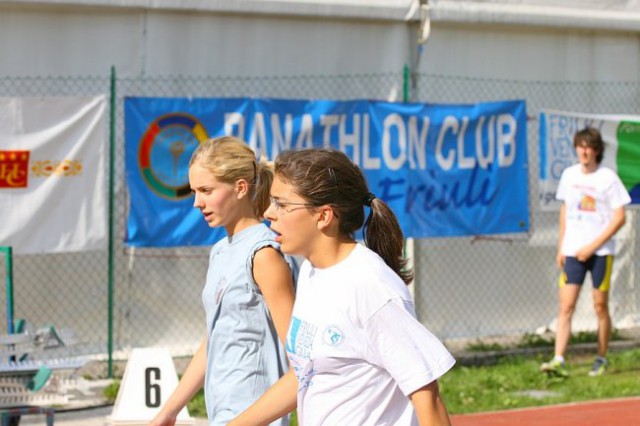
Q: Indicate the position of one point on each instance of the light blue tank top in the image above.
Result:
(244, 355)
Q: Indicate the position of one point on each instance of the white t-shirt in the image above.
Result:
(590, 199)
(356, 347)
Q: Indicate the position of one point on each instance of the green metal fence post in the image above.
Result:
(408, 242)
(8, 254)
(406, 77)
(112, 154)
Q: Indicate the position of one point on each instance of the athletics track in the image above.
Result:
(614, 412)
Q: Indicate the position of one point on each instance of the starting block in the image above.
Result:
(27, 383)
(149, 380)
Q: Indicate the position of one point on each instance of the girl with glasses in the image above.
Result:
(357, 353)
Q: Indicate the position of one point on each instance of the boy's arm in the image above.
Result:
(561, 230)
(616, 223)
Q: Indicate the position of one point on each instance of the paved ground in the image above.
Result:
(616, 412)
(86, 417)
(597, 413)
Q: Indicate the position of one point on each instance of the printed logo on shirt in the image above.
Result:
(304, 371)
(587, 204)
(332, 335)
(299, 344)
(300, 337)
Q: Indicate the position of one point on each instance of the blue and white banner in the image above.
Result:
(445, 170)
(621, 137)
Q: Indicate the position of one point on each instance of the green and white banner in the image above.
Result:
(621, 135)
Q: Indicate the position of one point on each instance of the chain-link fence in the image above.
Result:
(475, 287)
(465, 287)
(67, 290)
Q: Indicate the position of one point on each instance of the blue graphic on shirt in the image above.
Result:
(332, 335)
(300, 337)
(293, 334)
(299, 345)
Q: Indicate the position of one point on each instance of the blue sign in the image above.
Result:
(445, 170)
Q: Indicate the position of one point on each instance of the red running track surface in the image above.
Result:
(615, 412)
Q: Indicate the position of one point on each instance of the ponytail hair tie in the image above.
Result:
(368, 199)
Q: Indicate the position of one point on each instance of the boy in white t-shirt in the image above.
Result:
(592, 212)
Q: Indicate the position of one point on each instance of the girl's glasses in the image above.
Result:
(282, 206)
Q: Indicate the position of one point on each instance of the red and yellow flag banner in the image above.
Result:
(52, 174)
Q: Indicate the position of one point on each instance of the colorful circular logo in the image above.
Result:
(165, 151)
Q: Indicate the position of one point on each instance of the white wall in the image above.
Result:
(530, 53)
(69, 38)
(231, 45)
(69, 41)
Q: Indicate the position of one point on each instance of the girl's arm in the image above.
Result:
(429, 407)
(273, 276)
(191, 382)
(276, 402)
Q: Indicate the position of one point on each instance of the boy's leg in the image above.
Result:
(601, 305)
(569, 286)
(568, 296)
(601, 276)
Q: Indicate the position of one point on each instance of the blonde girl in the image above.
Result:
(248, 295)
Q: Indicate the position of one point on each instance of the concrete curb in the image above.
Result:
(471, 358)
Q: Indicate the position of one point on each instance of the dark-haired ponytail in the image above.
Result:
(382, 222)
